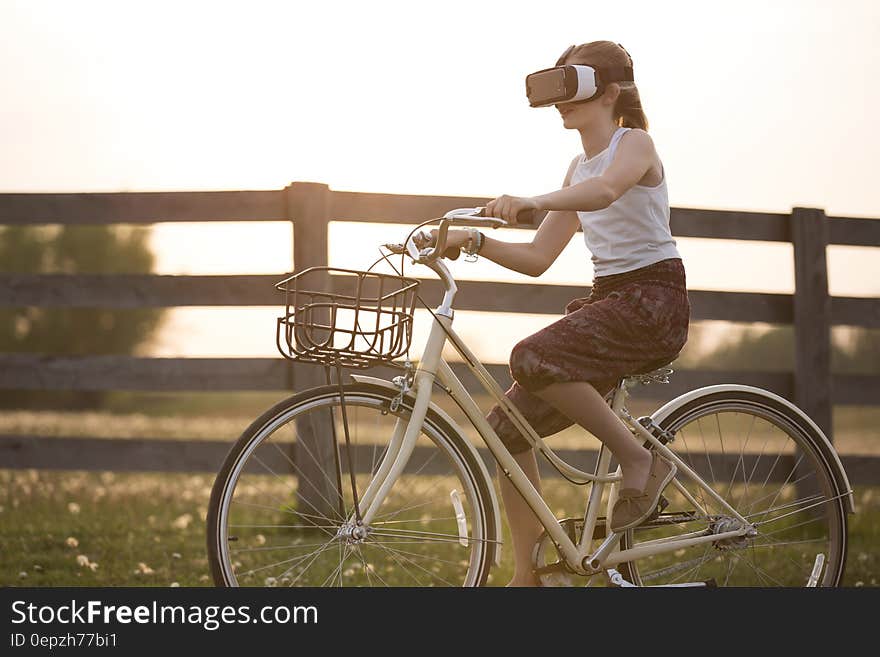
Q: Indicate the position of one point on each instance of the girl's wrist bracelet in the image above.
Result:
(473, 243)
(480, 240)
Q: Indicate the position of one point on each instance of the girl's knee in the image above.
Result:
(525, 359)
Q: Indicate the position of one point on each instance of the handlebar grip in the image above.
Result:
(522, 217)
(452, 253)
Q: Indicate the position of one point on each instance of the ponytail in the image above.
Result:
(628, 109)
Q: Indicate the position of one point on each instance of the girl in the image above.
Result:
(636, 315)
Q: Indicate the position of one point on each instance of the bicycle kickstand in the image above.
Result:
(616, 579)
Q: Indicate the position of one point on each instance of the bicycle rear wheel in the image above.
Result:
(770, 466)
(281, 504)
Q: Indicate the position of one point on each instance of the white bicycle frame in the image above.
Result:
(580, 556)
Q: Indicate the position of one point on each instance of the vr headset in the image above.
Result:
(572, 83)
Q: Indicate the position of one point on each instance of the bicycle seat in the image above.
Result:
(653, 365)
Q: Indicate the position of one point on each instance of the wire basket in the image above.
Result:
(346, 317)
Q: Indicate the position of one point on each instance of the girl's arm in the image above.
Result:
(535, 257)
(530, 258)
(634, 157)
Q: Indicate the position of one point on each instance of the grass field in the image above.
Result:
(61, 528)
(103, 529)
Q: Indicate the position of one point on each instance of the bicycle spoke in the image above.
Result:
(360, 553)
(420, 521)
(811, 506)
(275, 474)
(673, 569)
(783, 543)
(760, 571)
(793, 470)
(699, 563)
(771, 476)
(749, 513)
(425, 539)
(692, 465)
(720, 438)
(410, 533)
(744, 499)
(272, 508)
(740, 463)
(433, 486)
(706, 451)
(304, 444)
(788, 505)
(338, 570)
(415, 533)
(790, 527)
(307, 566)
(415, 554)
(284, 561)
(428, 572)
(275, 547)
(403, 567)
(732, 563)
(755, 465)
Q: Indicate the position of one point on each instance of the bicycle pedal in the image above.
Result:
(662, 503)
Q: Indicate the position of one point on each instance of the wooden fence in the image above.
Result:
(310, 206)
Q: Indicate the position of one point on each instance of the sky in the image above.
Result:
(753, 105)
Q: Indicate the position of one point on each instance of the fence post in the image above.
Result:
(812, 332)
(308, 208)
(812, 316)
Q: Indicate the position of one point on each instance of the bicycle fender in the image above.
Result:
(829, 452)
(362, 378)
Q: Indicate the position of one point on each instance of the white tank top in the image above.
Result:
(633, 231)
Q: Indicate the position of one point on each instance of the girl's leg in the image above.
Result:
(524, 526)
(581, 402)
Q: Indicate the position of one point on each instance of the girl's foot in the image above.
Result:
(635, 474)
(635, 505)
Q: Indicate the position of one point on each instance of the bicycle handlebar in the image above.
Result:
(459, 217)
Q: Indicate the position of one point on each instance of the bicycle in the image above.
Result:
(370, 482)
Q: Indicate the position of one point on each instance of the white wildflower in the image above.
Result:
(182, 522)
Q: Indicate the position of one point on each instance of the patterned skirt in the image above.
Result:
(629, 321)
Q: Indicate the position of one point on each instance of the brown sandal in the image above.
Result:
(634, 506)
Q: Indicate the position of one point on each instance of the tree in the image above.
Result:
(773, 350)
(73, 331)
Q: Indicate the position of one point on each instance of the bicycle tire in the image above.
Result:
(829, 503)
(446, 441)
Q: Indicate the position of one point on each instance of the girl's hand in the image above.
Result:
(454, 238)
(508, 207)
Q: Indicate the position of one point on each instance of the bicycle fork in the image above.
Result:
(406, 432)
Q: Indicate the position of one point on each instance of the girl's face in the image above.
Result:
(576, 116)
(584, 115)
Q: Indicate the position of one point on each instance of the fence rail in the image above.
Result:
(311, 207)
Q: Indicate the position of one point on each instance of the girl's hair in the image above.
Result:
(628, 110)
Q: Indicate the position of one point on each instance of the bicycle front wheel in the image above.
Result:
(282, 505)
(773, 469)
